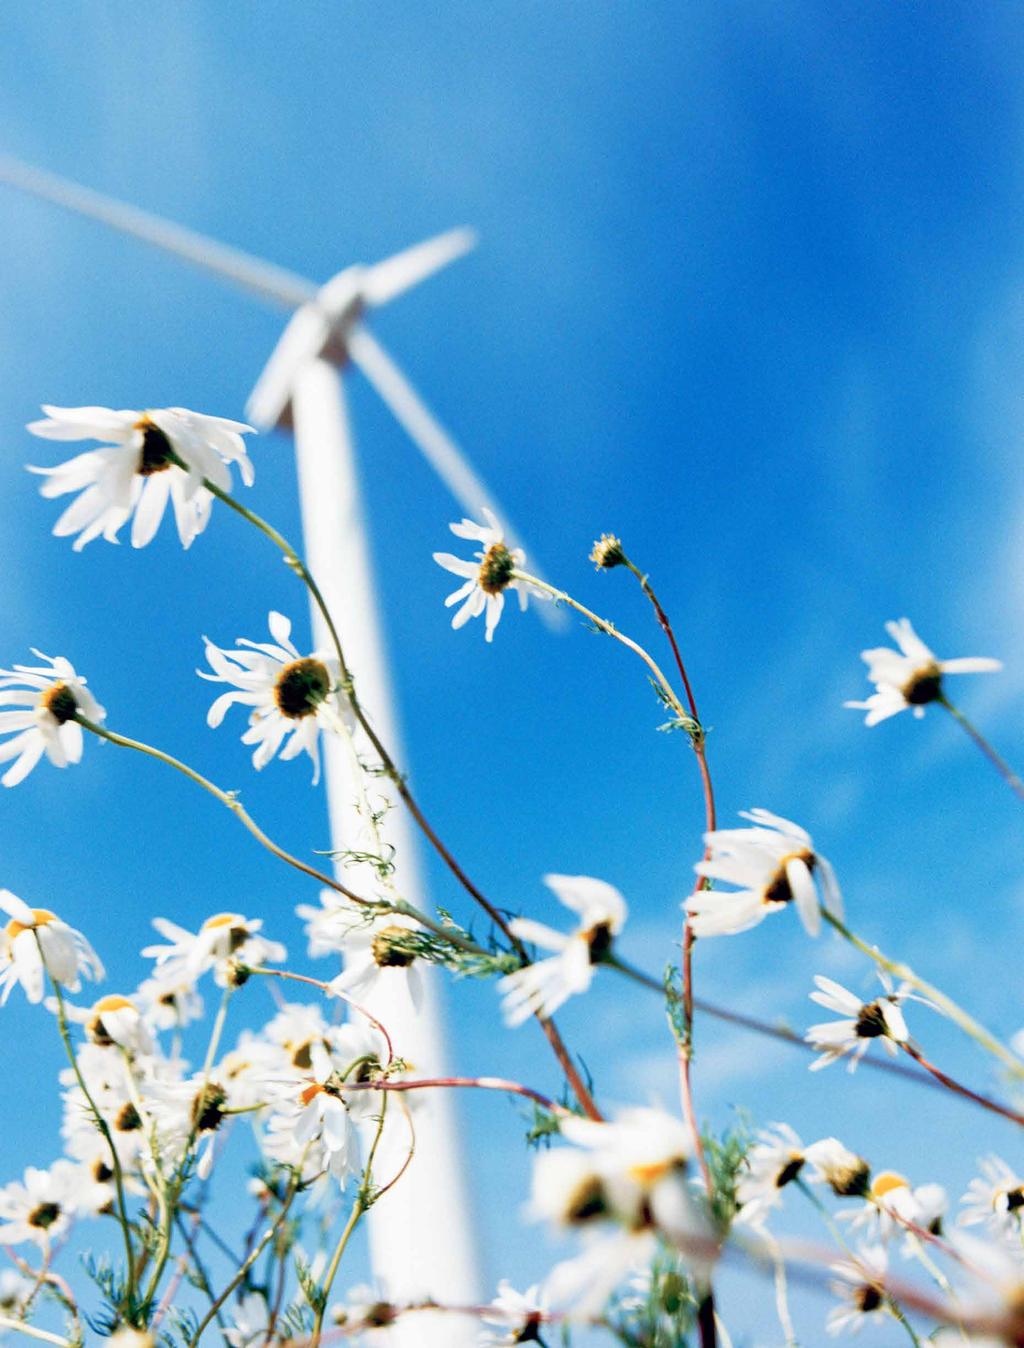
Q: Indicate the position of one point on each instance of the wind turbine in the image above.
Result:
(420, 1232)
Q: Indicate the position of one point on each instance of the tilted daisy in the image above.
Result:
(772, 864)
(996, 1198)
(290, 694)
(861, 1022)
(860, 1289)
(775, 1160)
(150, 457)
(487, 578)
(892, 1206)
(35, 941)
(910, 677)
(847, 1174)
(45, 699)
(15, 1290)
(379, 952)
(542, 987)
(517, 1315)
(224, 941)
(113, 1021)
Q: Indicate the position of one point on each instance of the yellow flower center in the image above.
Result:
(301, 687)
(43, 917)
(60, 702)
(886, 1181)
(778, 888)
(112, 1002)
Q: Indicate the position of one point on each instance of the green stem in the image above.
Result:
(101, 1124)
(897, 1314)
(254, 1254)
(971, 1027)
(362, 1202)
(998, 762)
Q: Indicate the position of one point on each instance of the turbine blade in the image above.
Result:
(387, 280)
(434, 442)
(265, 280)
(302, 341)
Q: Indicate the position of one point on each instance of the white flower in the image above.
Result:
(36, 940)
(113, 1020)
(910, 677)
(169, 999)
(486, 579)
(378, 949)
(138, 470)
(222, 942)
(772, 864)
(289, 693)
(15, 1290)
(774, 1161)
(315, 1121)
(41, 1205)
(880, 1019)
(251, 1318)
(542, 987)
(861, 1290)
(518, 1315)
(46, 698)
(891, 1205)
(847, 1174)
(996, 1198)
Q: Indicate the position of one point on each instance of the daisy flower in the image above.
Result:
(847, 1174)
(772, 864)
(891, 1203)
(775, 1160)
(487, 578)
(911, 676)
(150, 457)
(995, 1198)
(169, 999)
(47, 699)
(112, 1021)
(517, 1315)
(379, 952)
(860, 1289)
(317, 1117)
(861, 1022)
(15, 1290)
(224, 941)
(36, 940)
(542, 987)
(289, 694)
(40, 1206)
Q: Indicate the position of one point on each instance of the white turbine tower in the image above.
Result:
(420, 1232)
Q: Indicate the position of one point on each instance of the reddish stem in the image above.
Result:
(478, 1083)
(985, 1101)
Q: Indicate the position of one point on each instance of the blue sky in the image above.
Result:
(748, 293)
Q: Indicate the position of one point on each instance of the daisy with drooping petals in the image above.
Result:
(892, 1206)
(775, 1160)
(541, 988)
(46, 700)
(37, 941)
(113, 1021)
(861, 1290)
(772, 864)
(910, 677)
(847, 1174)
(862, 1021)
(486, 579)
(152, 456)
(289, 693)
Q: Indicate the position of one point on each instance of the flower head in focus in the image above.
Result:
(861, 1022)
(910, 677)
(772, 864)
(41, 704)
(542, 987)
(35, 941)
(150, 457)
(290, 694)
(487, 578)
(222, 943)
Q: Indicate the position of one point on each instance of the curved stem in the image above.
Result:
(998, 762)
(971, 1027)
(295, 561)
(477, 1083)
(985, 1101)
(19, 1326)
(101, 1124)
